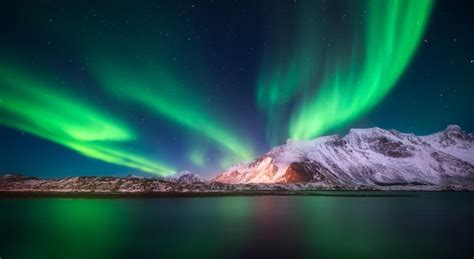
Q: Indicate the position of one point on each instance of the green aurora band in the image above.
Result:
(330, 95)
(305, 88)
(160, 92)
(197, 157)
(32, 105)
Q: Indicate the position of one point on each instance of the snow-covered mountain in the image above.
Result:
(365, 157)
(185, 177)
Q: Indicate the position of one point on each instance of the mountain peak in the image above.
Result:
(453, 127)
(186, 177)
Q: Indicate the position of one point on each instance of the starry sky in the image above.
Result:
(156, 87)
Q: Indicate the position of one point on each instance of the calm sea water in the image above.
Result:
(428, 225)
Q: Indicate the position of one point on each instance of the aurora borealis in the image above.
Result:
(393, 32)
(34, 107)
(170, 99)
(157, 87)
(353, 81)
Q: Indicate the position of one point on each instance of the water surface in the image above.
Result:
(431, 225)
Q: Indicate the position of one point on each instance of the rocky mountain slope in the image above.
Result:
(364, 159)
(371, 157)
(184, 182)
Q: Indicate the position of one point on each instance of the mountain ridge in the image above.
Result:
(371, 157)
(363, 159)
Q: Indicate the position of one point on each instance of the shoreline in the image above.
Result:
(139, 195)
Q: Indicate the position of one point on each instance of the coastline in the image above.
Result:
(120, 195)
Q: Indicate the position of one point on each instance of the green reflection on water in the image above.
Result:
(62, 228)
(326, 232)
(85, 228)
(432, 225)
(341, 227)
(206, 228)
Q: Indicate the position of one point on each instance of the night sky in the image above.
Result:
(155, 87)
